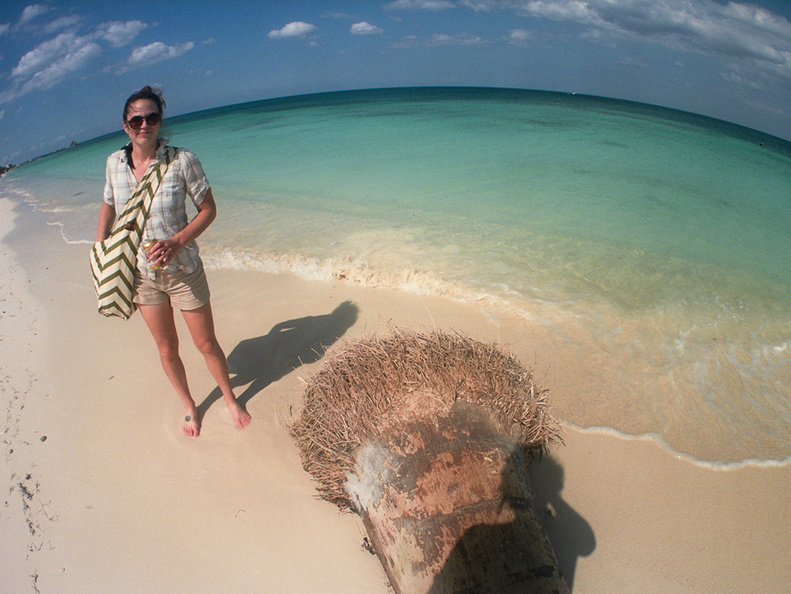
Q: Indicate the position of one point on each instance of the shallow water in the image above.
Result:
(653, 245)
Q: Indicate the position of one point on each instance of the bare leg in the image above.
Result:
(201, 326)
(161, 323)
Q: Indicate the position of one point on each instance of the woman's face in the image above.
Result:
(139, 130)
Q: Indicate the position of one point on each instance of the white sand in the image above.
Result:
(102, 493)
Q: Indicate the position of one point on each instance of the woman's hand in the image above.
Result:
(163, 252)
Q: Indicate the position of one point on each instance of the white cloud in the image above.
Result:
(54, 60)
(735, 30)
(433, 5)
(569, 10)
(61, 68)
(48, 52)
(156, 52)
(49, 63)
(632, 61)
(61, 23)
(440, 40)
(738, 79)
(365, 28)
(462, 39)
(479, 5)
(520, 36)
(119, 34)
(31, 12)
(738, 30)
(295, 29)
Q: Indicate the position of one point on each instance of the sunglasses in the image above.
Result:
(136, 122)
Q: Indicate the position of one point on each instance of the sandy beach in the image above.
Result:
(102, 492)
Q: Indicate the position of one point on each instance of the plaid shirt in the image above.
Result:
(168, 215)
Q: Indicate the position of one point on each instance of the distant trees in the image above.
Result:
(6, 168)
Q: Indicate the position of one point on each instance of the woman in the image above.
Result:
(169, 274)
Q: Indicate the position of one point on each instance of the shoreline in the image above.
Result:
(578, 359)
(114, 488)
(494, 308)
(658, 441)
(704, 384)
(655, 438)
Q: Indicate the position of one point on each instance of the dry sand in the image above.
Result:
(102, 492)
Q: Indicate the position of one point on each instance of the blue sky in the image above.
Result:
(67, 67)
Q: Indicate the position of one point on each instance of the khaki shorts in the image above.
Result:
(185, 291)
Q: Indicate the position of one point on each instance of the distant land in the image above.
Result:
(6, 168)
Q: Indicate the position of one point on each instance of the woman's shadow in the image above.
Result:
(571, 535)
(263, 360)
(510, 557)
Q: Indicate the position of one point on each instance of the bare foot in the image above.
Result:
(191, 425)
(240, 416)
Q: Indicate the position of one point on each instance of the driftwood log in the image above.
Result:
(427, 437)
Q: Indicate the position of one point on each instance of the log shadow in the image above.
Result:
(571, 535)
(258, 362)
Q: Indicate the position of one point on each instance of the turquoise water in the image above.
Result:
(653, 246)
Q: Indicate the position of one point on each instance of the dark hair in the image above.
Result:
(146, 92)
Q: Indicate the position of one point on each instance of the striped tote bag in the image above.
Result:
(114, 260)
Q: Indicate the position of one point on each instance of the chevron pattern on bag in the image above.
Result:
(114, 260)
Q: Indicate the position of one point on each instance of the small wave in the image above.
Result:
(497, 301)
(345, 269)
(18, 194)
(62, 229)
(659, 441)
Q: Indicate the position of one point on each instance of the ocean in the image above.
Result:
(652, 245)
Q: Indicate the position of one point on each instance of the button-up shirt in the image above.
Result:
(168, 214)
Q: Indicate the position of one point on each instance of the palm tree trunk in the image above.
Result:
(446, 502)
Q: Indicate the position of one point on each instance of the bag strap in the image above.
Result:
(139, 202)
